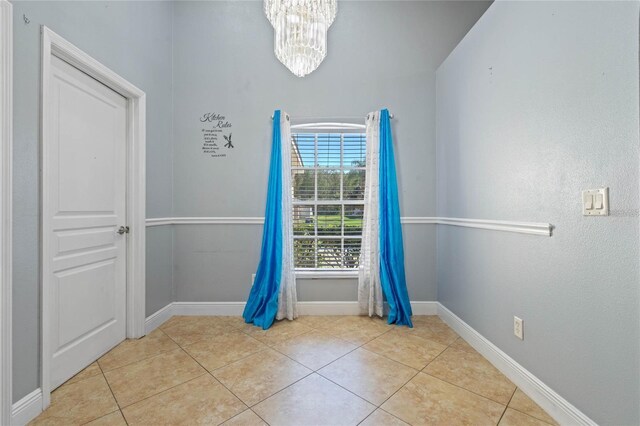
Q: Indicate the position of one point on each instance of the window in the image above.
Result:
(327, 178)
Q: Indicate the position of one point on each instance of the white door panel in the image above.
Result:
(86, 192)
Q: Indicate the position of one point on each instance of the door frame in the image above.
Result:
(6, 160)
(55, 45)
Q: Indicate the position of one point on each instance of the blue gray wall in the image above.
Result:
(133, 39)
(538, 102)
(380, 54)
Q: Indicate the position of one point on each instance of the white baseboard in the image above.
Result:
(558, 407)
(424, 308)
(27, 409)
(208, 308)
(328, 308)
(156, 319)
(235, 308)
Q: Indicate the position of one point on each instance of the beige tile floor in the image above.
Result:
(312, 371)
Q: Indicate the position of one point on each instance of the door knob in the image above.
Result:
(123, 230)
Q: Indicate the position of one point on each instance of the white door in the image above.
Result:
(84, 194)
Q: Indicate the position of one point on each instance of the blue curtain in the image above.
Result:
(392, 276)
(262, 306)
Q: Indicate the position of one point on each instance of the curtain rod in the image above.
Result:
(320, 118)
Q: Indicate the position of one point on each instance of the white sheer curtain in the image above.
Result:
(287, 297)
(369, 289)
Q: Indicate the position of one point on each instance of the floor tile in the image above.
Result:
(133, 350)
(279, 332)
(113, 419)
(382, 418)
(90, 371)
(151, 376)
(431, 328)
(357, 329)
(524, 404)
(426, 400)
(185, 330)
(260, 375)
(471, 371)
(246, 418)
(217, 351)
(160, 379)
(369, 375)
(410, 350)
(315, 349)
(318, 321)
(201, 401)
(79, 402)
(512, 417)
(313, 400)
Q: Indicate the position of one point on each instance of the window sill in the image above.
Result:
(322, 274)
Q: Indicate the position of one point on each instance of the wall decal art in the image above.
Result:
(214, 125)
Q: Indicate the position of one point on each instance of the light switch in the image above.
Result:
(598, 203)
(595, 202)
(588, 202)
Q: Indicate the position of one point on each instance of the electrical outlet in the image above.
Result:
(518, 327)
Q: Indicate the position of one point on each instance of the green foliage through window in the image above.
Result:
(328, 180)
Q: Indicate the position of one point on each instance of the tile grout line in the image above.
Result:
(527, 414)
(312, 371)
(458, 386)
(361, 346)
(311, 329)
(260, 417)
(417, 372)
(383, 356)
(141, 359)
(506, 406)
(162, 391)
(348, 390)
(393, 415)
(368, 415)
(398, 390)
(412, 377)
(112, 394)
(222, 384)
(158, 393)
(462, 387)
(286, 387)
(378, 407)
(324, 331)
(317, 371)
(104, 415)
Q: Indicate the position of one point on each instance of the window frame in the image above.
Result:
(316, 129)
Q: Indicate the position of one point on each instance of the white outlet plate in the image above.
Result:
(518, 327)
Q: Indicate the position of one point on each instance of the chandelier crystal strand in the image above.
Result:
(327, 8)
(300, 28)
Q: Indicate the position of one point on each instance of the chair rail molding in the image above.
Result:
(531, 228)
(6, 142)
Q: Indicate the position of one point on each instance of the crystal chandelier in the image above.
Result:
(300, 31)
